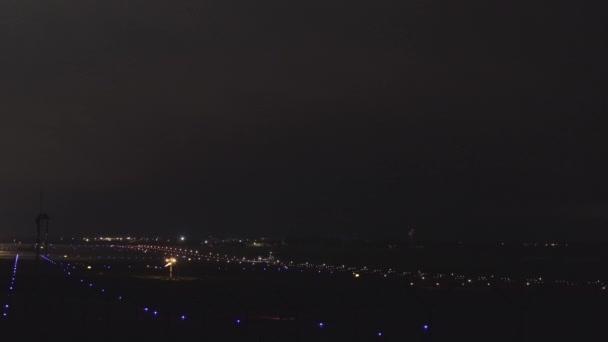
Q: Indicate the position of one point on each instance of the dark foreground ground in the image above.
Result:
(109, 302)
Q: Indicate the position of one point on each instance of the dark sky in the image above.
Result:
(465, 119)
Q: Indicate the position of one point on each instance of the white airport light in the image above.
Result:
(170, 262)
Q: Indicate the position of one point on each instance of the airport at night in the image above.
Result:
(307, 171)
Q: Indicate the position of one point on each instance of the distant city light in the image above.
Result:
(321, 324)
(425, 327)
(182, 238)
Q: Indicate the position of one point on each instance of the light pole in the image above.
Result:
(170, 262)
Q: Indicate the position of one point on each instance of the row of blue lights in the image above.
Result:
(11, 288)
(155, 313)
(70, 267)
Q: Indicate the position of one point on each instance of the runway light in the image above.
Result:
(183, 317)
(425, 327)
(321, 324)
(379, 333)
(357, 275)
(238, 321)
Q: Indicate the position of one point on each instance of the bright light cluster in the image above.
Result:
(418, 278)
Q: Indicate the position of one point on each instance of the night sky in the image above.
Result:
(472, 120)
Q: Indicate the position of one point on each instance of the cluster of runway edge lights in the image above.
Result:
(420, 277)
(69, 267)
(6, 306)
